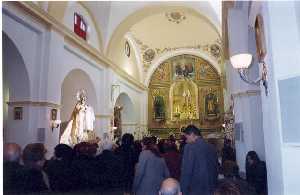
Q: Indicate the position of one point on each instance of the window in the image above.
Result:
(80, 27)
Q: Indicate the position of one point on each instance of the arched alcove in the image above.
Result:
(75, 80)
(16, 88)
(128, 113)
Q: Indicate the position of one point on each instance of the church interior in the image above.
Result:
(93, 71)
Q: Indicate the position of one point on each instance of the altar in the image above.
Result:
(185, 90)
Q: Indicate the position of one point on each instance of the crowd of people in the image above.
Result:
(146, 167)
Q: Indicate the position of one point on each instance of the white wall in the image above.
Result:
(247, 107)
(17, 26)
(75, 7)
(283, 60)
(48, 62)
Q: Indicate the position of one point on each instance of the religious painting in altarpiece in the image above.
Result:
(184, 90)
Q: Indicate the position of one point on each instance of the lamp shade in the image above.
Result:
(238, 38)
(241, 60)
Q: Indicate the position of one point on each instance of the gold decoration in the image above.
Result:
(210, 49)
(185, 97)
(175, 17)
(162, 73)
(149, 55)
(215, 50)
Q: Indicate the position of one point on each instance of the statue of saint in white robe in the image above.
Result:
(82, 121)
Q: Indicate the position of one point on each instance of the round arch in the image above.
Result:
(75, 80)
(128, 112)
(16, 88)
(142, 13)
(178, 52)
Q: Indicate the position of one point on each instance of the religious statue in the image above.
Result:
(117, 131)
(81, 122)
(159, 108)
(211, 104)
(184, 97)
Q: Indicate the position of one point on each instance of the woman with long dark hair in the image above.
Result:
(151, 170)
(256, 172)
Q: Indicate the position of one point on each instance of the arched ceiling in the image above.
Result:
(165, 29)
(177, 28)
(112, 16)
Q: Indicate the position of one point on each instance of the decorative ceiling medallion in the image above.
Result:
(127, 49)
(175, 17)
(215, 50)
(149, 55)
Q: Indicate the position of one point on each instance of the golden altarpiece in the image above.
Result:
(184, 90)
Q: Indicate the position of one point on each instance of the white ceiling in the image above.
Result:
(110, 14)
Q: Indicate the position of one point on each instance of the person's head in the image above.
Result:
(63, 151)
(147, 144)
(252, 158)
(11, 152)
(170, 147)
(108, 145)
(227, 143)
(227, 188)
(81, 96)
(34, 155)
(191, 133)
(170, 186)
(127, 139)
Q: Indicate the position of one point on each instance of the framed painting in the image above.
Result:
(18, 113)
(183, 67)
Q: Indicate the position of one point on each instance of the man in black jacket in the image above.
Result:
(199, 164)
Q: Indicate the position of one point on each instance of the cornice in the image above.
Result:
(33, 103)
(78, 42)
(246, 93)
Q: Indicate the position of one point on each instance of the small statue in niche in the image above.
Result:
(211, 104)
(117, 122)
(159, 108)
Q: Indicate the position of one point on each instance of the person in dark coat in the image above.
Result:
(199, 164)
(84, 167)
(231, 174)
(173, 159)
(110, 168)
(228, 152)
(151, 170)
(129, 157)
(12, 169)
(35, 179)
(60, 173)
(256, 172)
